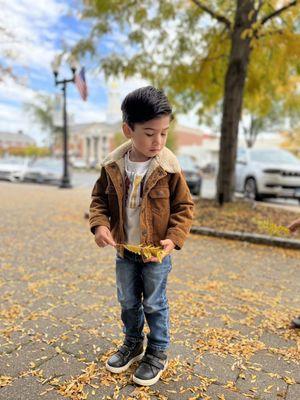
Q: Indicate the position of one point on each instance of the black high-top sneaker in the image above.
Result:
(295, 323)
(153, 364)
(126, 355)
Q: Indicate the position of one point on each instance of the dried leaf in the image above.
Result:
(146, 251)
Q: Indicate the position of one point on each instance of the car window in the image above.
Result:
(273, 156)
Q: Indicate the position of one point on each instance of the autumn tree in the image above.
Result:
(292, 135)
(42, 113)
(274, 121)
(216, 56)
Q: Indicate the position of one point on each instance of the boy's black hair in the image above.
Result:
(144, 104)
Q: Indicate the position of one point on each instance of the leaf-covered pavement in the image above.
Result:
(245, 216)
(231, 304)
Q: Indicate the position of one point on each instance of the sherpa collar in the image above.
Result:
(165, 158)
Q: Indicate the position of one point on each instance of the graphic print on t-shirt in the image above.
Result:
(134, 199)
(135, 175)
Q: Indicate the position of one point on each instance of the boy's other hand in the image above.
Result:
(103, 237)
(294, 225)
(167, 245)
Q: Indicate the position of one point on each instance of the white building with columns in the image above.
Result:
(91, 142)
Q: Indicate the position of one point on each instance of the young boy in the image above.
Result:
(142, 197)
(293, 228)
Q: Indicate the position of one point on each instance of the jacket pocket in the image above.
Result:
(160, 199)
(113, 206)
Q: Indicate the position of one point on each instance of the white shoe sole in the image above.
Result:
(119, 370)
(149, 382)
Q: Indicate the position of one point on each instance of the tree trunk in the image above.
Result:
(252, 132)
(236, 74)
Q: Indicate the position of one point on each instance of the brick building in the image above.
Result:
(15, 140)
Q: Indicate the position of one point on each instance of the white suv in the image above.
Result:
(263, 173)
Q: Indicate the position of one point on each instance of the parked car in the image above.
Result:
(192, 173)
(13, 168)
(78, 163)
(263, 173)
(45, 170)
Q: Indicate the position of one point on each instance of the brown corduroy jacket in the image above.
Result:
(166, 208)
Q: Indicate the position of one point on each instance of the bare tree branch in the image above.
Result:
(215, 15)
(278, 12)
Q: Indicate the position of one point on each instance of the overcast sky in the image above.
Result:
(36, 32)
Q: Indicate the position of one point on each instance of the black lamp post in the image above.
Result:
(65, 182)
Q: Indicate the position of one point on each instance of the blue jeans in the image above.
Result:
(141, 289)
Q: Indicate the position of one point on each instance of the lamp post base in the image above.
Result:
(65, 184)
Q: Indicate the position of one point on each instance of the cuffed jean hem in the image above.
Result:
(134, 339)
(157, 348)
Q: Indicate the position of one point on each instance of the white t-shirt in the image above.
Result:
(135, 172)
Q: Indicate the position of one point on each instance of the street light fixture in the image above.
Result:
(65, 182)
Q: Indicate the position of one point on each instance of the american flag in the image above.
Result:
(81, 85)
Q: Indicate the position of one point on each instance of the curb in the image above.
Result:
(248, 237)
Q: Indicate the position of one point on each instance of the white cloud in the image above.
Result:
(10, 90)
(84, 112)
(29, 31)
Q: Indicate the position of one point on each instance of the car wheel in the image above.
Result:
(12, 178)
(250, 190)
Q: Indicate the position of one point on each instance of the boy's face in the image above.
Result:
(148, 138)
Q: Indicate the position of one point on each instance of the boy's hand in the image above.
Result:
(167, 245)
(294, 225)
(103, 237)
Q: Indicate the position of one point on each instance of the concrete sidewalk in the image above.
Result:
(231, 304)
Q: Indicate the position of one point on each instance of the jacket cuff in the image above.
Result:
(177, 238)
(94, 225)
